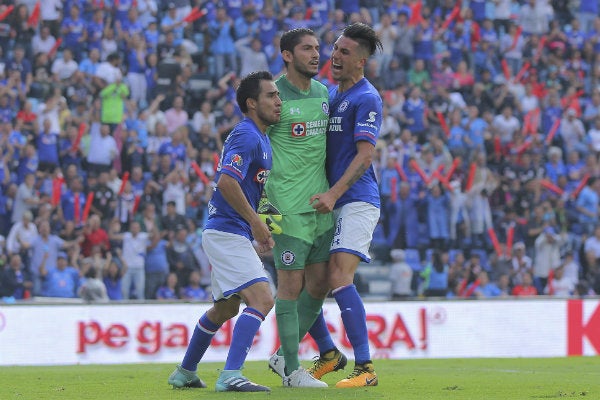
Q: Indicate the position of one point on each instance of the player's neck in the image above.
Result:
(261, 125)
(300, 81)
(348, 83)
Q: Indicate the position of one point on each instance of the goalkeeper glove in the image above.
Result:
(270, 216)
(270, 220)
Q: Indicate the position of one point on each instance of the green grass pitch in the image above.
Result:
(447, 379)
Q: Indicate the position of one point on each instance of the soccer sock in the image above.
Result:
(203, 334)
(355, 321)
(287, 323)
(243, 334)
(320, 334)
(309, 309)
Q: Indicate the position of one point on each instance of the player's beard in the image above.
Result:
(304, 71)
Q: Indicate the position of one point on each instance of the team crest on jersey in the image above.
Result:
(325, 107)
(261, 176)
(288, 257)
(342, 107)
(298, 129)
(237, 160)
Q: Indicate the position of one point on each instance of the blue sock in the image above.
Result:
(320, 334)
(203, 334)
(355, 321)
(243, 334)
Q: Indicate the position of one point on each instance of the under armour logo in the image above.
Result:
(294, 110)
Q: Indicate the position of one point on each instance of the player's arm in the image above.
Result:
(233, 194)
(357, 168)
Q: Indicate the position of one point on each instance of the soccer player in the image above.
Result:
(238, 273)
(302, 249)
(354, 123)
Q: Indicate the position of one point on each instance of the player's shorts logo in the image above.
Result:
(288, 257)
(325, 107)
(342, 107)
(237, 160)
(261, 176)
(298, 129)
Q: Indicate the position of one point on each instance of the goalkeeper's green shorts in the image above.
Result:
(305, 240)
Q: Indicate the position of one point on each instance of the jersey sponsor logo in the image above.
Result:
(298, 129)
(372, 116)
(344, 106)
(295, 111)
(288, 257)
(261, 176)
(237, 160)
(325, 107)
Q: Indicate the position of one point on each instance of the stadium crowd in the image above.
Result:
(113, 114)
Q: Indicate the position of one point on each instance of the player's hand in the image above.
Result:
(271, 221)
(323, 202)
(262, 235)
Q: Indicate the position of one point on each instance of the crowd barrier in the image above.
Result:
(68, 334)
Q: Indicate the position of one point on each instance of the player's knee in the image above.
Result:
(319, 289)
(264, 304)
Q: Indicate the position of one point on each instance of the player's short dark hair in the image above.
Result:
(250, 88)
(365, 36)
(291, 38)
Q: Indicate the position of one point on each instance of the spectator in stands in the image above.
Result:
(438, 215)
(435, 275)
(547, 256)
(135, 243)
(21, 237)
(59, 280)
(64, 68)
(587, 204)
(521, 264)
(400, 275)
(526, 288)
(15, 280)
(104, 146)
(252, 56)
(193, 290)
(176, 116)
(94, 235)
(93, 288)
(572, 132)
(103, 203)
(156, 263)
(27, 198)
(45, 249)
(222, 44)
(169, 290)
(487, 288)
(113, 97)
(558, 284)
(181, 257)
(113, 273)
(72, 202)
(136, 61)
(42, 42)
(108, 72)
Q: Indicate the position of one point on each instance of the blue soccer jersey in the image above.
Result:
(355, 115)
(247, 158)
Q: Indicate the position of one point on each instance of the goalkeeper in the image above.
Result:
(301, 249)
